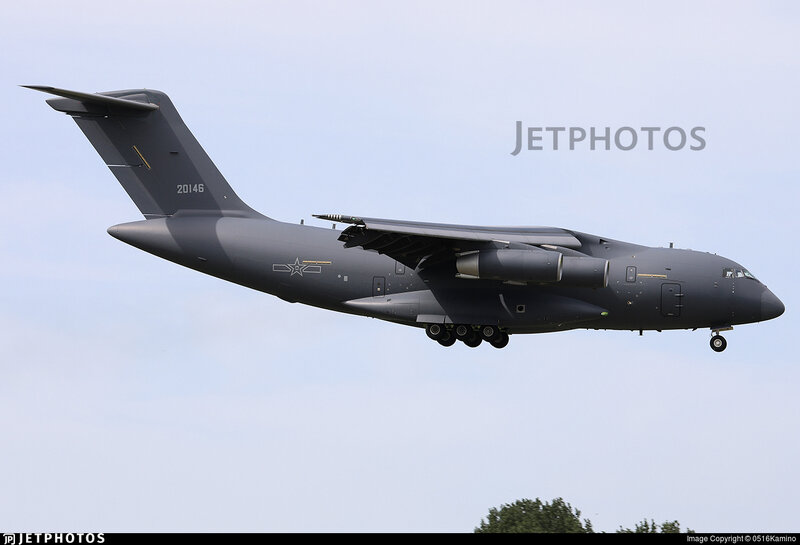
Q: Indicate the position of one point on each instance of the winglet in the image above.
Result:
(95, 98)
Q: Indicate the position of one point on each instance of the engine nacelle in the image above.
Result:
(586, 272)
(535, 266)
(512, 265)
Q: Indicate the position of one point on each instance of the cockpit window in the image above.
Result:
(737, 273)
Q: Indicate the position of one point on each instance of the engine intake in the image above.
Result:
(585, 272)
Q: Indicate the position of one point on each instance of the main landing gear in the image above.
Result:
(718, 342)
(470, 335)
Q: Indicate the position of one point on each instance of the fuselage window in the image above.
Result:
(727, 273)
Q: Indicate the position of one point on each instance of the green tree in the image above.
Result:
(645, 527)
(534, 516)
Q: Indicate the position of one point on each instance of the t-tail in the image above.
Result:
(155, 157)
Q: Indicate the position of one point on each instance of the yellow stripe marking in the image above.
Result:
(653, 275)
(142, 156)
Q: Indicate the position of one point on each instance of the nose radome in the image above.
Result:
(771, 306)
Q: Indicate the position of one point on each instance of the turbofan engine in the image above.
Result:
(534, 266)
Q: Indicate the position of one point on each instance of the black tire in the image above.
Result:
(490, 333)
(718, 343)
(448, 340)
(474, 341)
(463, 331)
(435, 331)
(502, 341)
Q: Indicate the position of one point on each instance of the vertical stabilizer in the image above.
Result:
(148, 147)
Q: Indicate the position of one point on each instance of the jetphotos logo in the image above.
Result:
(53, 539)
(608, 138)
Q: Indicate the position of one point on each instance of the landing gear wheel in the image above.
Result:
(473, 342)
(463, 332)
(718, 343)
(501, 341)
(447, 340)
(490, 333)
(435, 331)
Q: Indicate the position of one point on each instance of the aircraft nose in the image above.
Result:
(771, 306)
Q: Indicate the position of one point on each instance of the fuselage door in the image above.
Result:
(671, 300)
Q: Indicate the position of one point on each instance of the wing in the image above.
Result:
(417, 243)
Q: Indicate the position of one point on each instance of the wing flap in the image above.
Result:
(527, 235)
(410, 242)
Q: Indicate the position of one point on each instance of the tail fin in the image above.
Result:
(147, 146)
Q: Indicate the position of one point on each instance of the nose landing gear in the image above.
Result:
(718, 342)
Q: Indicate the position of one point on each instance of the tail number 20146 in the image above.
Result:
(185, 189)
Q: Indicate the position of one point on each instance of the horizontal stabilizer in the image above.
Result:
(134, 101)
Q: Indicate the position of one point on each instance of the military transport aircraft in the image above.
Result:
(458, 282)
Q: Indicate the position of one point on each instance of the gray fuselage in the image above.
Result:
(648, 288)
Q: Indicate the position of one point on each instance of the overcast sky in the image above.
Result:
(140, 396)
